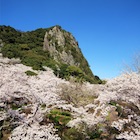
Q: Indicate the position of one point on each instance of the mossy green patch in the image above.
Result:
(59, 117)
(30, 73)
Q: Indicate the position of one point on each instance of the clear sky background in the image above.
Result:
(108, 31)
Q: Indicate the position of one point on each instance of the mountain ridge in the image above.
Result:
(53, 47)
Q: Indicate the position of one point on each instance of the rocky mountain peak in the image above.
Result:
(61, 45)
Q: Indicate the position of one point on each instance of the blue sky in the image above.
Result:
(108, 31)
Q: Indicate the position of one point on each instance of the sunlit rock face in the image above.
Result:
(61, 45)
(113, 108)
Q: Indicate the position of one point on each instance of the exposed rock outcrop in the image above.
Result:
(61, 45)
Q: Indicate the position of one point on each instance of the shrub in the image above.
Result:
(43, 106)
(97, 79)
(75, 71)
(24, 47)
(11, 51)
(59, 117)
(53, 65)
(30, 73)
(72, 134)
(63, 71)
(34, 60)
(119, 109)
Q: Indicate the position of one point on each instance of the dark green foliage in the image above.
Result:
(72, 134)
(98, 79)
(59, 118)
(33, 59)
(95, 134)
(75, 71)
(118, 107)
(1, 135)
(112, 102)
(15, 106)
(112, 130)
(11, 51)
(119, 110)
(9, 35)
(43, 106)
(67, 71)
(53, 65)
(63, 73)
(30, 73)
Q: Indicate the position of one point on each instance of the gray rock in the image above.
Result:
(56, 41)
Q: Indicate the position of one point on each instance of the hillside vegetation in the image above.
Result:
(28, 46)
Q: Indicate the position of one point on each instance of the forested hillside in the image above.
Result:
(66, 59)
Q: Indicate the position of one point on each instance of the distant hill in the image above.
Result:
(52, 47)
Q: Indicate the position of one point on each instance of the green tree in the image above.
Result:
(11, 51)
(75, 71)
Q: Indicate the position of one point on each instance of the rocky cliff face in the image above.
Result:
(64, 48)
(61, 45)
